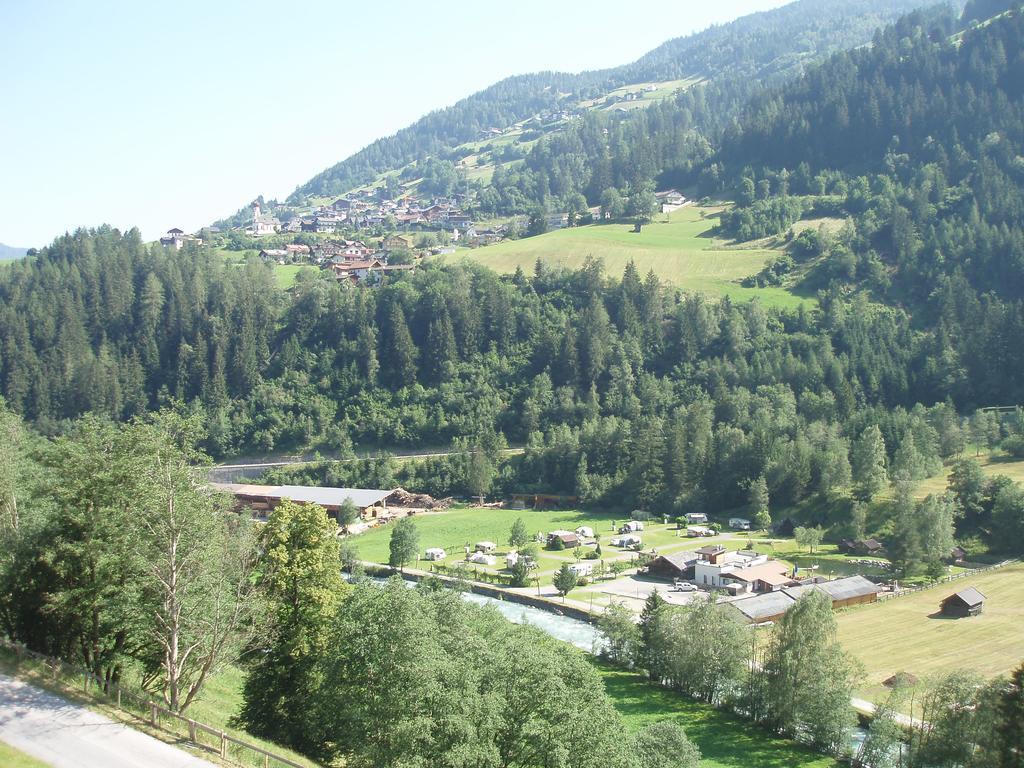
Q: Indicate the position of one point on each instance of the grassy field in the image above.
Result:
(285, 274)
(680, 250)
(453, 529)
(901, 635)
(991, 464)
(13, 758)
(725, 741)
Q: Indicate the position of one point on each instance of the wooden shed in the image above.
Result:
(966, 602)
(677, 566)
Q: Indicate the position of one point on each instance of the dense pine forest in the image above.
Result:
(625, 392)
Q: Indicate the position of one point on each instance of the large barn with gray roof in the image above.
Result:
(771, 606)
(263, 498)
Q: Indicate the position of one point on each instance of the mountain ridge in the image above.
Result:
(770, 45)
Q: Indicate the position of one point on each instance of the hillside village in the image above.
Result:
(444, 220)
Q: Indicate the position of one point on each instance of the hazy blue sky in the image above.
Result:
(177, 113)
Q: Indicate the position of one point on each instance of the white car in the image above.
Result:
(683, 586)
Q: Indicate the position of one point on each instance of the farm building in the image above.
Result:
(861, 547)
(672, 567)
(966, 602)
(262, 499)
(769, 606)
(545, 500)
(569, 539)
(852, 590)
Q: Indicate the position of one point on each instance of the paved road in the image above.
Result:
(66, 735)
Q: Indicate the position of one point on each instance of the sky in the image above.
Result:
(175, 114)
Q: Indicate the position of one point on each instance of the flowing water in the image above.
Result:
(568, 630)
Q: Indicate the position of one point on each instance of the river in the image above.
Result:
(568, 630)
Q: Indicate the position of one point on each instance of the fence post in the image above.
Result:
(266, 761)
(192, 731)
(119, 697)
(223, 745)
(153, 715)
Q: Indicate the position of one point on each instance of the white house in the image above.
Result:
(482, 559)
(585, 532)
(739, 523)
(631, 527)
(740, 572)
(486, 547)
(435, 553)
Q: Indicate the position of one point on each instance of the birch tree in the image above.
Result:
(199, 557)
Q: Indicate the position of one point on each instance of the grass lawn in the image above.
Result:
(725, 741)
(680, 250)
(452, 529)
(827, 557)
(285, 274)
(14, 758)
(898, 635)
(991, 464)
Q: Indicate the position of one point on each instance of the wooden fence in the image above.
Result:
(226, 746)
(955, 577)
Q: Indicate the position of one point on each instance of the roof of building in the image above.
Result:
(328, 497)
(846, 588)
(681, 560)
(763, 606)
(773, 572)
(969, 596)
(710, 549)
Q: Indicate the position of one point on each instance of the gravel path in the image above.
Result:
(67, 735)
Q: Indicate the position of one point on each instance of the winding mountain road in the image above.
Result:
(66, 735)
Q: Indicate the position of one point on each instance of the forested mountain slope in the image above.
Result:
(770, 46)
(917, 141)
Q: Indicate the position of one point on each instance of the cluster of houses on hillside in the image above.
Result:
(176, 238)
(348, 260)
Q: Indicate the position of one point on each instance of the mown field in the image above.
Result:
(681, 251)
(904, 634)
(725, 741)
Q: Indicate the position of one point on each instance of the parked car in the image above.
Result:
(683, 586)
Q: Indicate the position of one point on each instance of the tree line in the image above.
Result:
(794, 679)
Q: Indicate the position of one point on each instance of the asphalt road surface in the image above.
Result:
(66, 735)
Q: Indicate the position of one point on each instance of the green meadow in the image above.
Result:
(680, 248)
(725, 740)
